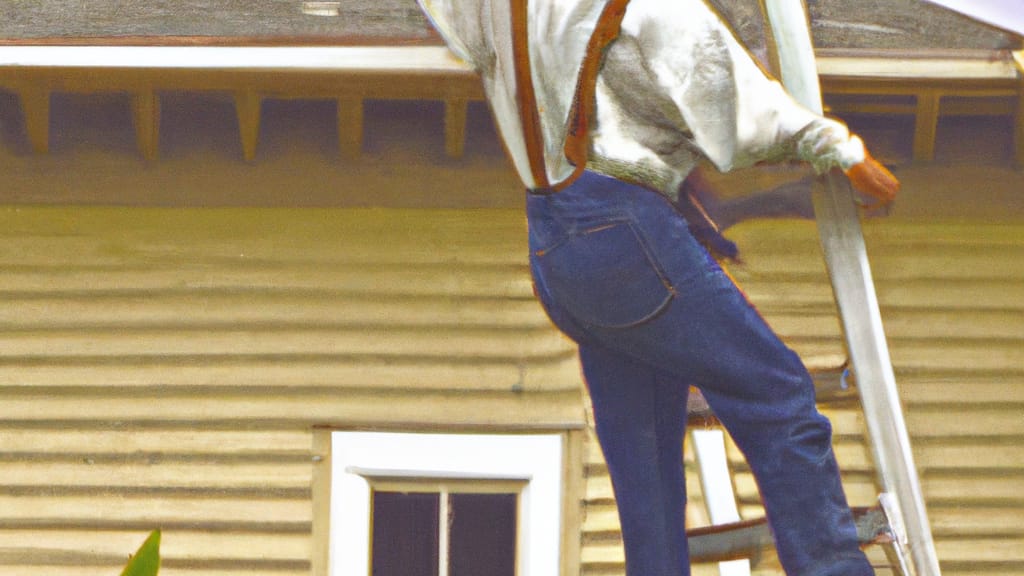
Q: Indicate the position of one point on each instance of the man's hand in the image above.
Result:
(827, 143)
(870, 177)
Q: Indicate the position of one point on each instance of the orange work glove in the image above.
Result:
(872, 178)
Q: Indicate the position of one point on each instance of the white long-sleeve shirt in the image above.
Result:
(675, 87)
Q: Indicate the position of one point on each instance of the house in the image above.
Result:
(229, 351)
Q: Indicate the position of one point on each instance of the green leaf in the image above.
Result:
(146, 561)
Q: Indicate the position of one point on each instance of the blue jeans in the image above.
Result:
(618, 271)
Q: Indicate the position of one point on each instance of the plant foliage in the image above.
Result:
(146, 561)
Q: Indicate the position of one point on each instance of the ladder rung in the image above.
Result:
(833, 385)
(752, 538)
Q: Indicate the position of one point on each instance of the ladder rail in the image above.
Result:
(845, 254)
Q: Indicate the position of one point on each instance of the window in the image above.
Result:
(441, 531)
(445, 504)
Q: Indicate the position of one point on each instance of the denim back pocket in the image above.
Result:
(605, 276)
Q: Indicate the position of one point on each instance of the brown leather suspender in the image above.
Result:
(577, 142)
(526, 97)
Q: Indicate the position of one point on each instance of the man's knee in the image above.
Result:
(810, 439)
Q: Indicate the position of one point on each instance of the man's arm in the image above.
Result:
(730, 110)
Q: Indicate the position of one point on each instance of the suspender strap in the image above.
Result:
(526, 98)
(577, 142)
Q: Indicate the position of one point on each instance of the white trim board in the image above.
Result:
(537, 458)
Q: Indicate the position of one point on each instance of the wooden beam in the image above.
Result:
(321, 486)
(572, 502)
(35, 105)
(146, 117)
(1018, 56)
(455, 126)
(247, 107)
(926, 125)
(350, 127)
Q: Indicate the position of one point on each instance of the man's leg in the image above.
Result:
(710, 335)
(640, 416)
(764, 396)
(628, 270)
(788, 446)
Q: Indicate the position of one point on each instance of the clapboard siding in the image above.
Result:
(258, 279)
(409, 408)
(79, 567)
(99, 344)
(300, 373)
(165, 368)
(952, 299)
(259, 309)
(184, 545)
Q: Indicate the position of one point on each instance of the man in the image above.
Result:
(605, 108)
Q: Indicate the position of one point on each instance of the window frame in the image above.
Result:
(361, 458)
